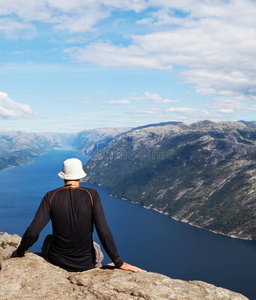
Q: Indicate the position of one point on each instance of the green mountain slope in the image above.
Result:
(204, 173)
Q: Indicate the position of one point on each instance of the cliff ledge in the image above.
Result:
(31, 277)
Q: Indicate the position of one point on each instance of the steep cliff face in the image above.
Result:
(31, 277)
(203, 173)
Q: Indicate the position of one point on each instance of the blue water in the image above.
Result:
(144, 237)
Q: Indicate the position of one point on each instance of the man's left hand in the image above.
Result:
(14, 254)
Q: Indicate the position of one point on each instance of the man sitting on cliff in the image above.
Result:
(73, 211)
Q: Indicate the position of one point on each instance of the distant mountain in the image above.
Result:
(249, 123)
(90, 142)
(17, 148)
(203, 173)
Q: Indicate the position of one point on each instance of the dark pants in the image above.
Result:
(98, 253)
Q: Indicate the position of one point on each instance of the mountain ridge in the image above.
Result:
(203, 173)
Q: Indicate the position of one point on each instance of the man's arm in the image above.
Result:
(106, 237)
(31, 235)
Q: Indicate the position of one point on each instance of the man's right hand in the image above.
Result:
(128, 267)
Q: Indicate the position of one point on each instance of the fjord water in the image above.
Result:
(145, 238)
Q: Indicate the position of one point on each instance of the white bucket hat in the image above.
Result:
(72, 169)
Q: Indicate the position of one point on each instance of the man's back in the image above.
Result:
(73, 211)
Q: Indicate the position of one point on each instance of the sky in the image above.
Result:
(68, 66)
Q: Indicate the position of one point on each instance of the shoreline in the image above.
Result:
(35, 156)
(173, 218)
(197, 226)
(20, 165)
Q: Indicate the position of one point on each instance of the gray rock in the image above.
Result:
(31, 277)
(9, 238)
(1, 259)
(8, 243)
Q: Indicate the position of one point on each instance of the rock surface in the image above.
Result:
(8, 243)
(31, 277)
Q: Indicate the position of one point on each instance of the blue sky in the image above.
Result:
(68, 66)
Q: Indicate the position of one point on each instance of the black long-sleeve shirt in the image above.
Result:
(73, 212)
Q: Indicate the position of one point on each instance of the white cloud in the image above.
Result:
(67, 5)
(119, 102)
(159, 18)
(81, 21)
(148, 98)
(230, 105)
(185, 114)
(216, 66)
(14, 29)
(183, 110)
(215, 41)
(156, 98)
(235, 83)
(72, 16)
(13, 110)
(226, 111)
(192, 114)
(107, 55)
(28, 10)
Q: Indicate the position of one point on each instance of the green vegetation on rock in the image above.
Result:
(204, 174)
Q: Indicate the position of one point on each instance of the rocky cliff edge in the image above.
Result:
(31, 277)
